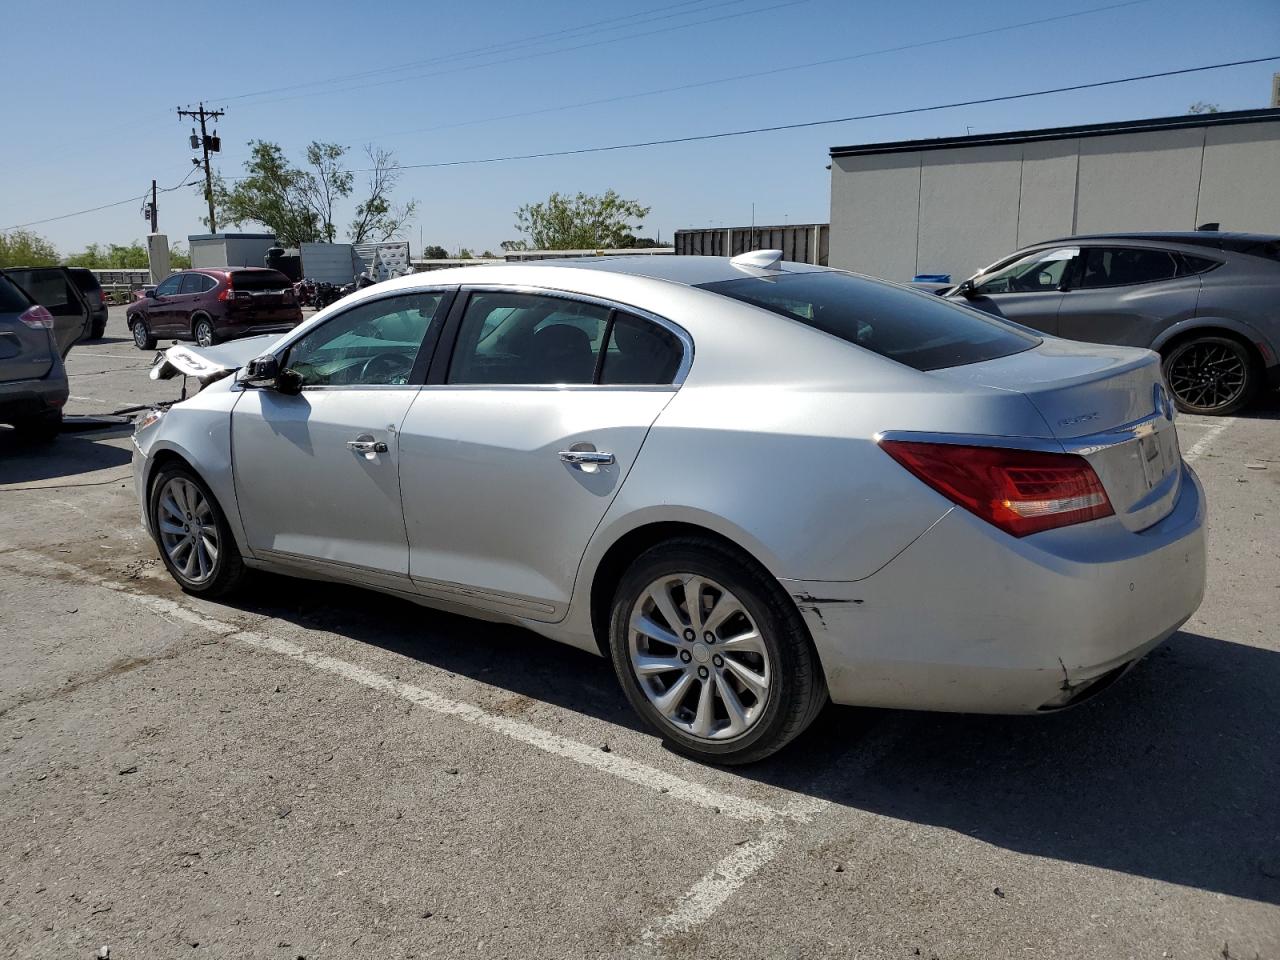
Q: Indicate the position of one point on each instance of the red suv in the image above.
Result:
(211, 305)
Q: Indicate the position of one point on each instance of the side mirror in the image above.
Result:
(150, 292)
(967, 290)
(265, 372)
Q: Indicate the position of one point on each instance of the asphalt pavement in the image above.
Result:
(318, 771)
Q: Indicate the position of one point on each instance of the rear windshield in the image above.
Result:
(920, 330)
(11, 298)
(259, 280)
(84, 279)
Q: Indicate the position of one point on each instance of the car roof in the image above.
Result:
(691, 271)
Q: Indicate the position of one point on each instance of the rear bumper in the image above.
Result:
(31, 398)
(969, 619)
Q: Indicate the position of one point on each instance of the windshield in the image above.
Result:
(913, 328)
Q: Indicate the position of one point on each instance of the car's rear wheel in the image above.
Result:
(1210, 375)
(712, 653)
(191, 531)
(203, 332)
(99, 329)
(41, 428)
(143, 338)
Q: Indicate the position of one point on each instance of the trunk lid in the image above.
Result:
(1110, 405)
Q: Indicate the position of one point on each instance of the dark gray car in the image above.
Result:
(1208, 302)
(33, 381)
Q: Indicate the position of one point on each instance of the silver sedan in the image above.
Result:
(756, 486)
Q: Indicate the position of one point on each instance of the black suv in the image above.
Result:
(95, 296)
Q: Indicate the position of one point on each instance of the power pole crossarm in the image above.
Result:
(207, 144)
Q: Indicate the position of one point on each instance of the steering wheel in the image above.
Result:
(386, 368)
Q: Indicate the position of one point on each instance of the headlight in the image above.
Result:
(152, 417)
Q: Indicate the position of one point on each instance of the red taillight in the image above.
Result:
(102, 296)
(1020, 491)
(227, 292)
(37, 317)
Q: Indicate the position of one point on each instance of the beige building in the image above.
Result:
(954, 205)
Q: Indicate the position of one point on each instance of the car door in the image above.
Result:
(160, 307)
(317, 471)
(514, 450)
(1127, 295)
(1026, 289)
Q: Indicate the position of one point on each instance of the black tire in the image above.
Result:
(228, 569)
(99, 330)
(797, 689)
(143, 338)
(203, 325)
(41, 428)
(1210, 375)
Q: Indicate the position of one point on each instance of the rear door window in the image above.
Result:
(1192, 265)
(1121, 266)
(640, 352)
(519, 338)
(918, 329)
(190, 283)
(85, 279)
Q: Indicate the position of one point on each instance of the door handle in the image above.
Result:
(367, 445)
(581, 458)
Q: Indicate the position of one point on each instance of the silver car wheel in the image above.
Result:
(699, 657)
(140, 334)
(204, 333)
(188, 530)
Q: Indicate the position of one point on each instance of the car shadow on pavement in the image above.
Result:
(70, 454)
(1171, 774)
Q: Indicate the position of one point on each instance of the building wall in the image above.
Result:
(956, 210)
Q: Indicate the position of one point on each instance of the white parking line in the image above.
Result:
(1200, 446)
(659, 781)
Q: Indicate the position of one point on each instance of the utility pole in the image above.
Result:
(208, 144)
(155, 214)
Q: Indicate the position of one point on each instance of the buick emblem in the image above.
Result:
(1164, 405)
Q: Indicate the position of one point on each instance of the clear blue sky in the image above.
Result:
(90, 116)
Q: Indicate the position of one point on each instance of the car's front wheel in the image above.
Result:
(712, 653)
(191, 531)
(143, 338)
(1210, 375)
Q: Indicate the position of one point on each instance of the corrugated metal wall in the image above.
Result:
(799, 242)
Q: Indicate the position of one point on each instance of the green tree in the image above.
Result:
(272, 193)
(435, 252)
(581, 222)
(132, 256)
(488, 255)
(179, 259)
(1201, 106)
(465, 254)
(23, 248)
(510, 246)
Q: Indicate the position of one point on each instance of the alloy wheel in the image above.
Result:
(1207, 374)
(188, 530)
(204, 333)
(140, 335)
(699, 657)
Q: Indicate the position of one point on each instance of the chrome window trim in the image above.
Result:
(686, 341)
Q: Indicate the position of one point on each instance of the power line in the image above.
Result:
(488, 48)
(762, 73)
(105, 206)
(820, 123)
(773, 8)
